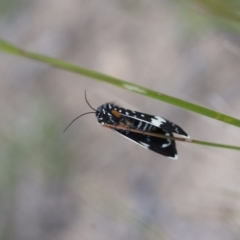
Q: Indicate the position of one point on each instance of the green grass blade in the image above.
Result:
(210, 144)
(11, 49)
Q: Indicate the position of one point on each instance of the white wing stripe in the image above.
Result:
(157, 121)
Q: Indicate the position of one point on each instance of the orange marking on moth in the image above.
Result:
(115, 113)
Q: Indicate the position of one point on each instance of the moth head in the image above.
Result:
(104, 114)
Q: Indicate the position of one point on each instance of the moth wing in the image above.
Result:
(154, 120)
(165, 147)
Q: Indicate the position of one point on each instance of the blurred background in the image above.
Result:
(90, 183)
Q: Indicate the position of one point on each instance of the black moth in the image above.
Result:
(112, 115)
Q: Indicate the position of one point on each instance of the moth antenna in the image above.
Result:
(87, 101)
(76, 119)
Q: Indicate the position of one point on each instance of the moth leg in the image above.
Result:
(127, 126)
(132, 125)
(115, 126)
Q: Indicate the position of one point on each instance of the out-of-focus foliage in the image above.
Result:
(203, 13)
(8, 7)
(34, 159)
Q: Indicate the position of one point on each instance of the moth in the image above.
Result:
(141, 128)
